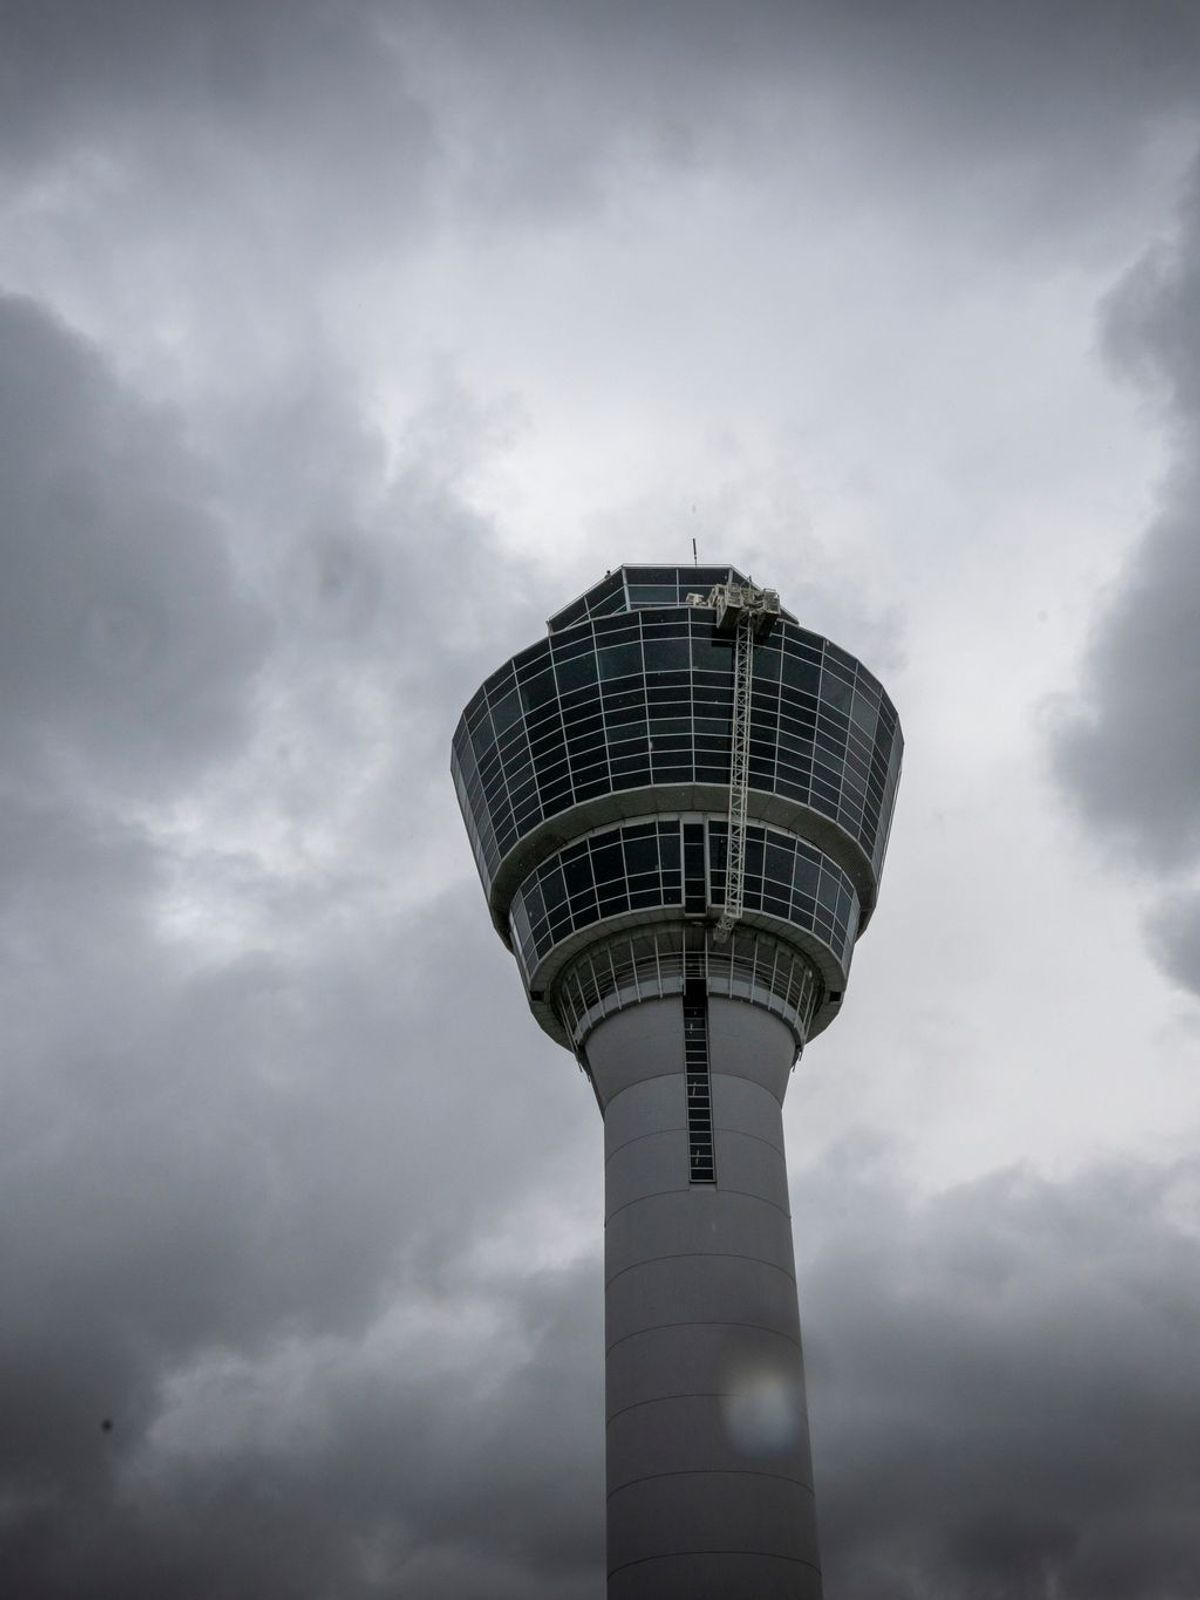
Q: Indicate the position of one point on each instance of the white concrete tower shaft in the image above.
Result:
(709, 1471)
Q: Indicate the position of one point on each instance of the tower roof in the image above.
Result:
(642, 588)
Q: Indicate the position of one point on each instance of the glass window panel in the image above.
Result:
(767, 664)
(607, 862)
(615, 698)
(585, 908)
(805, 876)
(553, 888)
(616, 630)
(641, 855)
(534, 903)
(631, 761)
(546, 739)
(712, 696)
(483, 737)
(836, 691)
(577, 673)
(803, 642)
(625, 721)
(775, 900)
(667, 653)
(580, 706)
(640, 830)
(576, 643)
(556, 797)
(764, 714)
(506, 712)
(570, 614)
(588, 788)
(864, 716)
(584, 719)
(794, 738)
(619, 661)
(799, 674)
(500, 682)
(644, 899)
(612, 583)
(644, 880)
(706, 577)
(869, 686)
(534, 658)
(629, 778)
(778, 862)
(668, 687)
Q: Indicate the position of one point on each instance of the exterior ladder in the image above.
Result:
(748, 612)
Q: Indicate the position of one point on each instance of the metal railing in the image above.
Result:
(660, 961)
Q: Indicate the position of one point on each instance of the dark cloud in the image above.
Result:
(1003, 1382)
(1004, 1385)
(232, 1166)
(126, 647)
(217, 104)
(1175, 939)
(1130, 754)
(243, 1217)
(345, 122)
(1023, 112)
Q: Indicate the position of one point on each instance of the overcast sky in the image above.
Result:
(340, 344)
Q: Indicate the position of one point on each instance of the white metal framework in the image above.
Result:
(657, 961)
(748, 612)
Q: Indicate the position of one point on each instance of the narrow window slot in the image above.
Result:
(698, 1086)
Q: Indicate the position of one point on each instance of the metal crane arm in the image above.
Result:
(749, 613)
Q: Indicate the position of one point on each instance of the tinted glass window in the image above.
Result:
(618, 661)
(667, 653)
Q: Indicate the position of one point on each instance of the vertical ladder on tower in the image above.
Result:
(749, 613)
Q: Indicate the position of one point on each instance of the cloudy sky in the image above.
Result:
(341, 343)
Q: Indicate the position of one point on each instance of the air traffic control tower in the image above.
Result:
(679, 805)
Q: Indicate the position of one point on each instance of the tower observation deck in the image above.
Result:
(679, 804)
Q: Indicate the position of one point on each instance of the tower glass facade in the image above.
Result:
(593, 772)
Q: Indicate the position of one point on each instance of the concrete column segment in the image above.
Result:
(709, 1473)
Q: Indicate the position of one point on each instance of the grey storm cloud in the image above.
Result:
(1019, 1354)
(210, 1163)
(243, 111)
(346, 121)
(1129, 754)
(124, 643)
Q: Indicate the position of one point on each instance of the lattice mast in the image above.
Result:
(749, 613)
